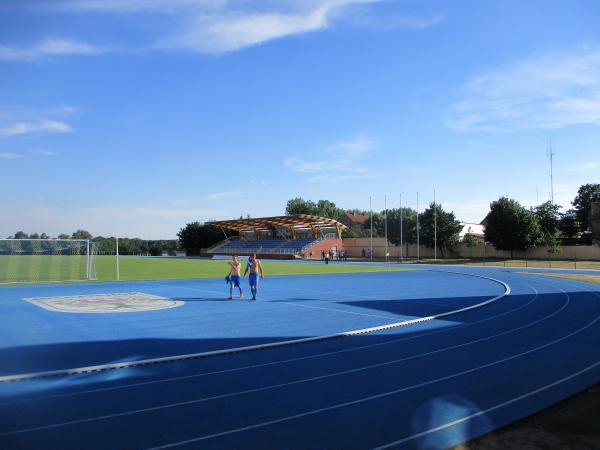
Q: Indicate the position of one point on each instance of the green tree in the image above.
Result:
(21, 235)
(548, 217)
(300, 206)
(63, 236)
(196, 236)
(81, 234)
(470, 240)
(409, 226)
(325, 208)
(569, 225)
(44, 236)
(586, 195)
(156, 248)
(448, 228)
(511, 227)
(34, 236)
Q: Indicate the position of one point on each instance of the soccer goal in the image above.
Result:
(39, 260)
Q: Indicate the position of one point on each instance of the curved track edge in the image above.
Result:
(230, 351)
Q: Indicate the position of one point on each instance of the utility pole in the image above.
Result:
(434, 227)
(551, 154)
(371, 242)
(386, 234)
(401, 243)
(418, 242)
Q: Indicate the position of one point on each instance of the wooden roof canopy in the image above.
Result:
(293, 222)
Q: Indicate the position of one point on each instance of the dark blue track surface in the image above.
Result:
(429, 385)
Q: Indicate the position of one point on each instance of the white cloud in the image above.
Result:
(341, 161)
(44, 152)
(33, 127)
(217, 26)
(586, 167)
(157, 212)
(231, 31)
(472, 211)
(151, 222)
(49, 47)
(225, 194)
(133, 5)
(10, 155)
(548, 91)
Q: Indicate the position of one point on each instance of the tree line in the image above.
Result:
(107, 245)
(509, 225)
(512, 227)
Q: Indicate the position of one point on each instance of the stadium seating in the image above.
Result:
(274, 246)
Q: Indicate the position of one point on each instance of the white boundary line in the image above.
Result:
(145, 362)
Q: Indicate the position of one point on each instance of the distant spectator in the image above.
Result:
(326, 257)
(364, 253)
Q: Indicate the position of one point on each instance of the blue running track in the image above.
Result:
(431, 384)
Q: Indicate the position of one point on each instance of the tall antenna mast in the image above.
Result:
(551, 154)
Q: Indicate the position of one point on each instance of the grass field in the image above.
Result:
(526, 263)
(53, 268)
(595, 279)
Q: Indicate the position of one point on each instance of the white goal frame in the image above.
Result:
(89, 247)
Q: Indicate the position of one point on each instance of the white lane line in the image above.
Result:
(176, 358)
(284, 361)
(290, 383)
(377, 396)
(508, 402)
(487, 411)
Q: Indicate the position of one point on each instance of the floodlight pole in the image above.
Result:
(385, 221)
(371, 242)
(434, 227)
(418, 241)
(551, 154)
(117, 254)
(401, 243)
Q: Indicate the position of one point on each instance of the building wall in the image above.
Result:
(354, 247)
(326, 245)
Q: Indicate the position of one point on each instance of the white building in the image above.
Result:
(475, 229)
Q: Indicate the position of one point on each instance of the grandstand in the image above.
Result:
(283, 237)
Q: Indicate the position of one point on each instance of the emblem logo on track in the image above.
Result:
(105, 303)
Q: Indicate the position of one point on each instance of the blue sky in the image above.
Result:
(132, 118)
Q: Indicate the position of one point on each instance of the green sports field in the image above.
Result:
(69, 268)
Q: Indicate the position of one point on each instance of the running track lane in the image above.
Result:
(430, 388)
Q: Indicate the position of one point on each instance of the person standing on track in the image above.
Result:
(255, 268)
(234, 277)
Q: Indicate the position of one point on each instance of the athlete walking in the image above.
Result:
(234, 277)
(255, 267)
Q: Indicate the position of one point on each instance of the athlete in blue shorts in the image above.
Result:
(255, 267)
(234, 276)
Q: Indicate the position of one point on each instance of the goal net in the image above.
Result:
(38, 260)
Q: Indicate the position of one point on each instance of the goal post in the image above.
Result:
(47, 260)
